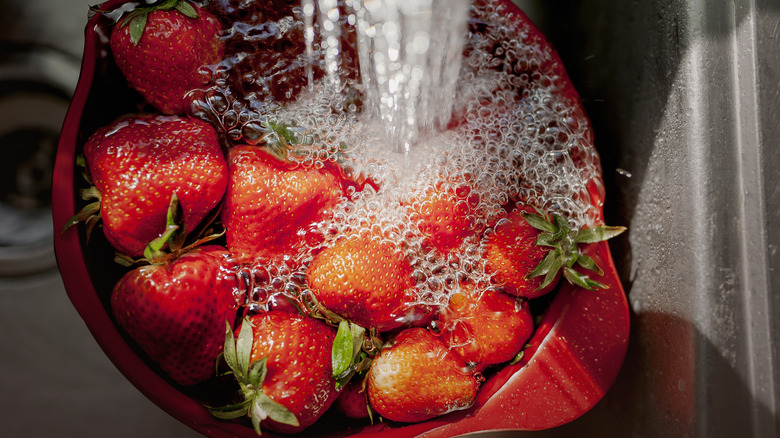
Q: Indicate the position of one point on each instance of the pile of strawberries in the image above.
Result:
(192, 216)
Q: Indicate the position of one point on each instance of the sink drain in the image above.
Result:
(35, 88)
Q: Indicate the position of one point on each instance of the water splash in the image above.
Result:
(307, 7)
(409, 53)
(330, 28)
(518, 135)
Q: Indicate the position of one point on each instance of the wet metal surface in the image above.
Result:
(684, 100)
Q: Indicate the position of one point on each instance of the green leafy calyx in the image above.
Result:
(173, 235)
(136, 20)
(348, 356)
(565, 252)
(252, 401)
(286, 140)
(90, 213)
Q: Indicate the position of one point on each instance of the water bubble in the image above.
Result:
(235, 135)
(514, 137)
(252, 132)
(217, 101)
(229, 119)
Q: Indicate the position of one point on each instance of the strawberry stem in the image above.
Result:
(90, 213)
(137, 19)
(186, 9)
(284, 138)
(316, 310)
(136, 27)
(347, 355)
(564, 241)
(280, 139)
(173, 235)
(84, 214)
(254, 403)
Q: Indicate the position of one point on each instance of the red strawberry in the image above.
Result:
(353, 401)
(511, 253)
(273, 205)
(416, 377)
(162, 50)
(282, 362)
(443, 213)
(137, 164)
(486, 329)
(176, 310)
(528, 251)
(365, 279)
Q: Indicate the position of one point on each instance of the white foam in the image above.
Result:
(519, 140)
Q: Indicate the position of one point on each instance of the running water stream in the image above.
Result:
(368, 87)
(409, 53)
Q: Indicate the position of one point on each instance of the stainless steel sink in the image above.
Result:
(685, 101)
(55, 380)
(683, 96)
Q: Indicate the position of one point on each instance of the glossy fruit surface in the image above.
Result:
(575, 353)
(299, 374)
(165, 60)
(486, 329)
(139, 162)
(416, 378)
(271, 206)
(444, 213)
(175, 310)
(365, 279)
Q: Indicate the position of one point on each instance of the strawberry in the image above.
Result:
(138, 164)
(273, 206)
(511, 253)
(282, 362)
(487, 328)
(164, 49)
(353, 401)
(528, 251)
(416, 377)
(443, 212)
(365, 279)
(175, 310)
